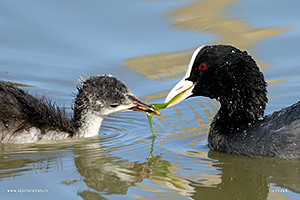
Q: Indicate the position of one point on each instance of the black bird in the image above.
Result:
(25, 119)
(232, 77)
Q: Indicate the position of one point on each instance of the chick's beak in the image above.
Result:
(141, 106)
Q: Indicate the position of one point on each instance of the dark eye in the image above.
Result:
(114, 105)
(202, 67)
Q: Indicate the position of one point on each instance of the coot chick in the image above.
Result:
(232, 77)
(25, 119)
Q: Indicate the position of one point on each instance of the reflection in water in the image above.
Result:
(219, 175)
(254, 178)
(184, 128)
(16, 159)
(160, 66)
(202, 16)
(102, 173)
(214, 17)
(105, 174)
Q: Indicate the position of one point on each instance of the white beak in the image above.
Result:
(181, 91)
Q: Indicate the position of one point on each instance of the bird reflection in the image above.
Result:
(218, 174)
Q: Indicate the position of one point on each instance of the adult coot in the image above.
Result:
(232, 77)
(25, 119)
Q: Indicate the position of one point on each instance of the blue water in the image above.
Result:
(146, 44)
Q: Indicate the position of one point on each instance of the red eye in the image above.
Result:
(202, 67)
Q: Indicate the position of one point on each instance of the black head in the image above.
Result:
(225, 72)
(229, 75)
(222, 72)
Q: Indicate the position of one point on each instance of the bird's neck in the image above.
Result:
(87, 123)
(239, 110)
(233, 117)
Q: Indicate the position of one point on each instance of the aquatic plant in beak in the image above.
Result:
(158, 106)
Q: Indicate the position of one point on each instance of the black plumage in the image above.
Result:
(232, 77)
(19, 110)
